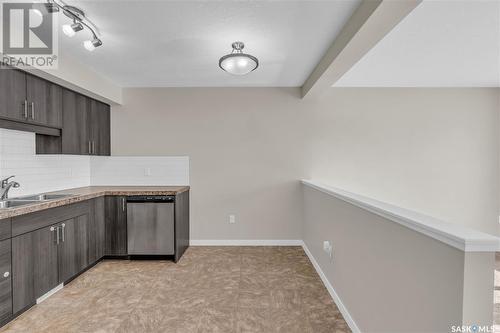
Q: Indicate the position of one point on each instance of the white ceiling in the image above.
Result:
(439, 44)
(179, 43)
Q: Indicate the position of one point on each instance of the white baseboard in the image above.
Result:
(49, 293)
(245, 242)
(329, 287)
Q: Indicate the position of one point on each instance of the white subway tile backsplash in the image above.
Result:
(44, 173)
(117, 170)
(39, 173)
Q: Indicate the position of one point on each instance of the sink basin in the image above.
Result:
(44, 197)
(16, 203)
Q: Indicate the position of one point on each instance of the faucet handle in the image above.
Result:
(6, 180)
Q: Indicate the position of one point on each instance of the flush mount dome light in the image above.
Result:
(237, 62)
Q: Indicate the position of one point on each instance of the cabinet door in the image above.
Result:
(100, 128)
(75, 136)
(45, 102)
(5, 281)
(34, 266)
(115, 225)
(73, 247)
(96, 230)
(181, 224)
(12, 94)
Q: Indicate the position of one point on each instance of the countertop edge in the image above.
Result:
(115, 190)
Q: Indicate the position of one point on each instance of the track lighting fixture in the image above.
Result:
(80, 22)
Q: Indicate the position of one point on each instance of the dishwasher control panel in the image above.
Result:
(151, 198)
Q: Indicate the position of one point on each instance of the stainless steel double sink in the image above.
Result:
(32, 199)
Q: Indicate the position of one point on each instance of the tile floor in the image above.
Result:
(211, 289)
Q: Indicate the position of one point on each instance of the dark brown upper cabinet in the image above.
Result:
(65, 122)
(13, 103)
(85, 129)
(99, 128)
(30, 100)
(44, 102)
(75, 133)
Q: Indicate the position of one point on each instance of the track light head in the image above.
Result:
(71, 29)
(90, 45)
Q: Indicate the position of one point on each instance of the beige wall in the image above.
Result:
(391, 278)
(431, 150)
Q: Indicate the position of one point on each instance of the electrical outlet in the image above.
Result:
(328, 248)
(147, 171)
(232, 219)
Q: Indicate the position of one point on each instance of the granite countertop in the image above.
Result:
(86, 193)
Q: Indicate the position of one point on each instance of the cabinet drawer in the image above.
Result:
(30, 222)
(5, 281)
(5, 229)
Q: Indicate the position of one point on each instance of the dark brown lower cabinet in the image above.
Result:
(96, 230)
(116, 226)
(181, 224)
(46, 257)
(73, 247)
(45, 248)
(23, 271)
(5, 281)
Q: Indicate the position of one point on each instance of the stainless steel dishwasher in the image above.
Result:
(151, 225)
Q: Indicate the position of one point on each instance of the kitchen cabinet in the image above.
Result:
(73, 247)
(48, 256)
(44, 101)
(5, 281)
(96, 230)
(23, 250)
(181, 224)
(75, 135)
(5, 229)
(65, 121)
(85, 129)
(44, 259)
(29, 99)
(115, 226)
(13, 104)
(99, 129)
(35, 265)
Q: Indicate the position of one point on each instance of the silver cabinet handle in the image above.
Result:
(57, 233)
(123, 204)
(90, 148)
(25, 105)
(63, 231)
(6, 274)
(33, 110)
(93, 147)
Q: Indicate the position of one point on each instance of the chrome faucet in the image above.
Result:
(5, 187)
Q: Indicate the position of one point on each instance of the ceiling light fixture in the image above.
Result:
(80, 21)
(71, 29)
(237, 62)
